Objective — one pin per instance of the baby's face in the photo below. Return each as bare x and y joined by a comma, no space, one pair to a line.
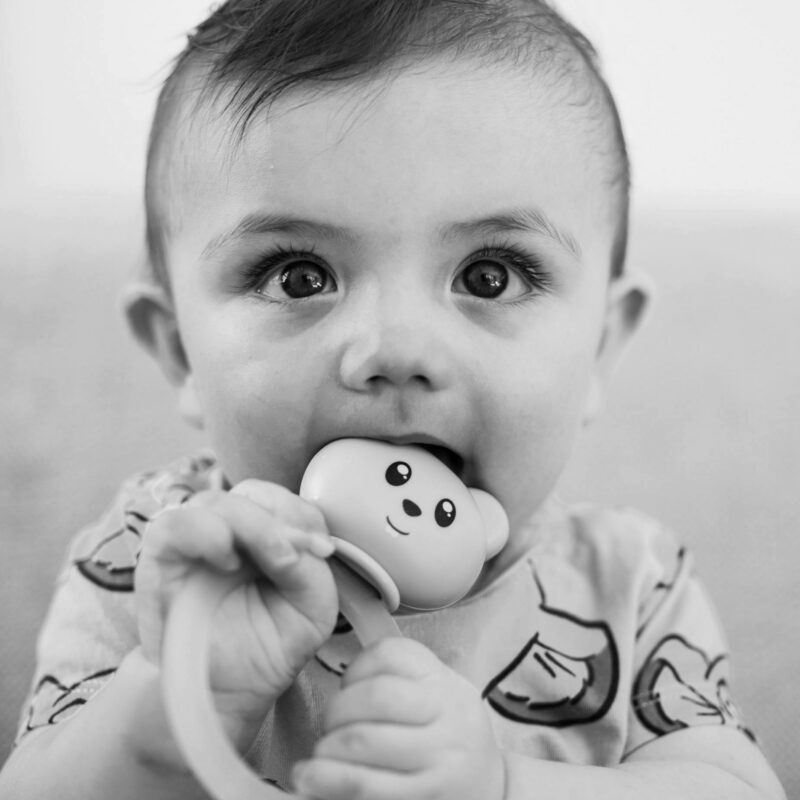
428,265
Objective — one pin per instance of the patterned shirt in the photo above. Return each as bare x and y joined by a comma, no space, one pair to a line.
595,642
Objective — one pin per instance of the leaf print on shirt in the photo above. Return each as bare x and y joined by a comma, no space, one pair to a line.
566,674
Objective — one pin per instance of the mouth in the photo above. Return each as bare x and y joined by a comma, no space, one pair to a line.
395,528
452,460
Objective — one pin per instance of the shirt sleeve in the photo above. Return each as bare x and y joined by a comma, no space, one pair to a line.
681,673
91,624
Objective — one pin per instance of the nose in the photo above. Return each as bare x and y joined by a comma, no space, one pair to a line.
411,508
401,342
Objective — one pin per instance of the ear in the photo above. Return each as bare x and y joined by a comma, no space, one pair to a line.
629,298
494,519
151,316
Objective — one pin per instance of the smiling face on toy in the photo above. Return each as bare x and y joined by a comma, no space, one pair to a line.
404,521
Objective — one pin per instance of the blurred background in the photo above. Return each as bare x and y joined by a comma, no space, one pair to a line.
701,428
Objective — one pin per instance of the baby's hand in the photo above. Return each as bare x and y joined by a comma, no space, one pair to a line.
265,630
404,726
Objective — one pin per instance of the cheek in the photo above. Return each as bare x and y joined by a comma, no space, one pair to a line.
544,377
257,406
538,416
547,409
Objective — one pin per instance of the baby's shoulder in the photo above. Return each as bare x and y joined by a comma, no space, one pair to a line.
112,542
622,528
172,484
614,547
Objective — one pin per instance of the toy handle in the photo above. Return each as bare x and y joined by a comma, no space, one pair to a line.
185,663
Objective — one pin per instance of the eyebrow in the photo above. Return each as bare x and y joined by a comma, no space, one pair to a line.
276,223
523,220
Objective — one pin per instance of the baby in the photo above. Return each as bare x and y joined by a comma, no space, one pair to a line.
401,220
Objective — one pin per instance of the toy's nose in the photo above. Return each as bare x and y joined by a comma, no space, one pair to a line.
411,508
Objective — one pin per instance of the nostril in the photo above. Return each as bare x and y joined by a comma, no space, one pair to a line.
411,508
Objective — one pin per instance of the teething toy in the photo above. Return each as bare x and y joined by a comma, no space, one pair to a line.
403,521
409,536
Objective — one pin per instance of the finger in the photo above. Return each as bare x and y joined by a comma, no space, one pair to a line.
394,656
274,498
189,533
385,698
269,537
340,780
291,558
297,512
401,748
175,541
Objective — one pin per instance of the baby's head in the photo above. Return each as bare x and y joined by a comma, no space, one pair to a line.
251,52
393,219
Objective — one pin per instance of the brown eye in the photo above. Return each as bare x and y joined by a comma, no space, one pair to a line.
445,513
503,275
485,279
284,276
398,473
303,279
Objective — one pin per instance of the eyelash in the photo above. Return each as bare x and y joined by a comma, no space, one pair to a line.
528,268
253,276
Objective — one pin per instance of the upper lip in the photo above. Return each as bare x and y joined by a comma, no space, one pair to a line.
450,456
415,438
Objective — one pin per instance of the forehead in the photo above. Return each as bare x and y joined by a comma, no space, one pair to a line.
400,156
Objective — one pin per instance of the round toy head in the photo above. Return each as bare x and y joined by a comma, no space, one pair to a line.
404,521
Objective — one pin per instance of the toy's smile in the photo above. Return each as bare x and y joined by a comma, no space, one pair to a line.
395,528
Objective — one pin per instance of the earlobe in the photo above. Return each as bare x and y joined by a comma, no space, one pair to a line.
629,298
189,403
151,317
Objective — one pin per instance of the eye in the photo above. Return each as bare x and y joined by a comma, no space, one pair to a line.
398,473
297,280
445,513
485,279
286,274
506,274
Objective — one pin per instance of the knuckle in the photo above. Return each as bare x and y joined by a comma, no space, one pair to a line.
353,740
404,656
190,531
160,530
207,498
265,494
247,485
375,696
387,651
350,786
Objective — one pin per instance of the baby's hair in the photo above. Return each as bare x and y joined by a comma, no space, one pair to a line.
252,52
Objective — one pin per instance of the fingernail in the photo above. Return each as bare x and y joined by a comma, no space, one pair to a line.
321,545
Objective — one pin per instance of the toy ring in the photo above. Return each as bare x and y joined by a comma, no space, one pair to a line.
186,691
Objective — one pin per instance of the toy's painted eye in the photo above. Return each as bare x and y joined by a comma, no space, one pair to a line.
445,513
398,473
